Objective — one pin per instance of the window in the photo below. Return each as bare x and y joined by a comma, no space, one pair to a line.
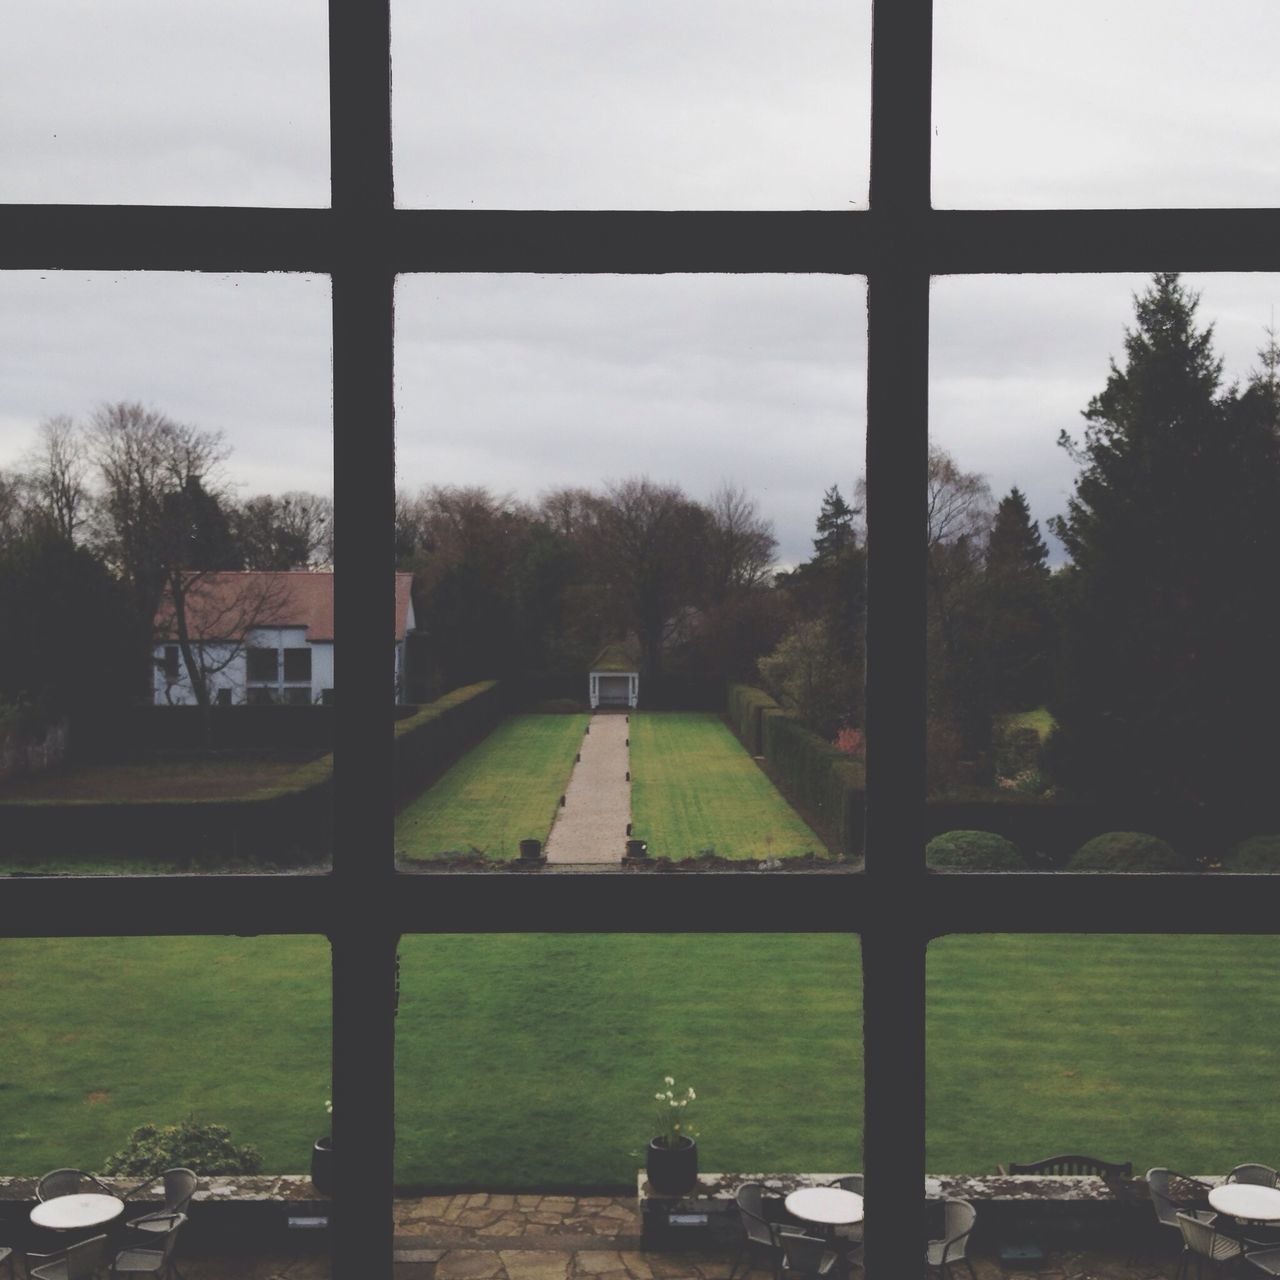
223,697
297,697
262,665
171,656
297,665
362,905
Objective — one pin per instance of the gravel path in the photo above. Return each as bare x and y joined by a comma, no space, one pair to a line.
592,825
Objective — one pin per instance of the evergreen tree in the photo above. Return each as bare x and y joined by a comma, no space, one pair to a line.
1019,630
836,535
1171,622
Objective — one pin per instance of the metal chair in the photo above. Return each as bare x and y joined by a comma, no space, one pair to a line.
1266,1261
804,1255
6,1255
153,1260
760,1236
76,1262
958,1219
1171,1194
853,1233
1059,1166
69,1182
1204,1242
179,1186
1255,1175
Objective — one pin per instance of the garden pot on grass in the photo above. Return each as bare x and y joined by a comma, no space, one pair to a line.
322,1175
673,1171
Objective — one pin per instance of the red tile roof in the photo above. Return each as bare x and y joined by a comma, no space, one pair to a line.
228,602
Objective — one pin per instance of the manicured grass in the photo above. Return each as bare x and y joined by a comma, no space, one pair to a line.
159,779
1158,1050
533,1059
1038,719
504,791
524,1060
694,787
104,1034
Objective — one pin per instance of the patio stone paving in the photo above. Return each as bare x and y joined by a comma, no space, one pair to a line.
496,1237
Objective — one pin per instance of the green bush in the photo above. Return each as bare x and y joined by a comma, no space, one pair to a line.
1127,851
1257,853
204,1148
973,851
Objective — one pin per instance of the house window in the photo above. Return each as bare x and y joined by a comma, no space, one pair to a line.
297,697
262,665
260,696
895,907
223,697
297,665
171,658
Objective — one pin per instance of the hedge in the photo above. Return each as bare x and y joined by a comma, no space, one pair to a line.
745,708
289,823
1127,851
428,742
973,851
819,779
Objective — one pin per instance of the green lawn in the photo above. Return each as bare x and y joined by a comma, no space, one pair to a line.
528,1059
503,791
694,787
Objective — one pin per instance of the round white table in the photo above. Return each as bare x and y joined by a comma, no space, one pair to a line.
1246,1201
827,1206
74,1213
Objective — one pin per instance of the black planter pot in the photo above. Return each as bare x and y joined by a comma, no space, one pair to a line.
322,1175
673,1171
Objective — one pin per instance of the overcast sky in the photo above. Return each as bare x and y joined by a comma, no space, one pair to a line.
524,383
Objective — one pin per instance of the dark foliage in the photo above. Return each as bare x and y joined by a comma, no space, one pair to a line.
1127,851
206,1149
973,851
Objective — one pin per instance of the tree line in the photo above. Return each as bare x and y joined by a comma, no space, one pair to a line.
1153,646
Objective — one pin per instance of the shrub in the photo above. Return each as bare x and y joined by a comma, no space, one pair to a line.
973,851
1257,853
1017,751
1127,851
204,1148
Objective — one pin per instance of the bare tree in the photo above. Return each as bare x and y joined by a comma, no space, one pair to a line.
291,530
144,458
742,545
649,543
57,472
13,506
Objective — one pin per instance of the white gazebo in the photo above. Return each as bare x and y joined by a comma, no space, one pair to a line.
615,682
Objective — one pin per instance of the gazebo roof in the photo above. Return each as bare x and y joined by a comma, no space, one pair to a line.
613,657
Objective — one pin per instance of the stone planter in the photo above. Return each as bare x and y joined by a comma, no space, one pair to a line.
322,1172
672,1171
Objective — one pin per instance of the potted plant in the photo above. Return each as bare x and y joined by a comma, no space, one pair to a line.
671,1161
322,1160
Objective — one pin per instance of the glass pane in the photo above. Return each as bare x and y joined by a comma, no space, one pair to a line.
166,532
138,103
592,1046
1097,105
564,105
1106,487
101,1077
1093,1046
632,503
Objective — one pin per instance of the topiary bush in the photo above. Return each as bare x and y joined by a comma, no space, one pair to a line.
1127,851
1257,853
973,851
203,1148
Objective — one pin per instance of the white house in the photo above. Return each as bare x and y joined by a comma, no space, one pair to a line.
262,637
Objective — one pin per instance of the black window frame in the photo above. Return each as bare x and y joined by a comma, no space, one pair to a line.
256,655
362,242
301,657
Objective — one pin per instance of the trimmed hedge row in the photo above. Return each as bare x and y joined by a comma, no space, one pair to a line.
144,730
280,825
289,823
429,741
746,706
820,779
